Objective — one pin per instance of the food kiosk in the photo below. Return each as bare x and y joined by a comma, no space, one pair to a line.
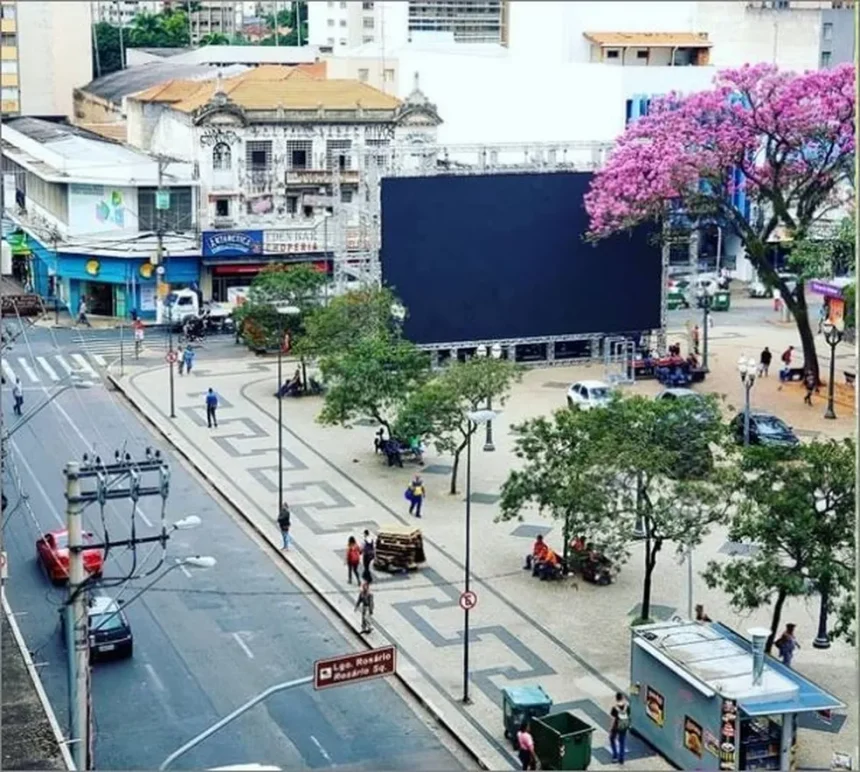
705,697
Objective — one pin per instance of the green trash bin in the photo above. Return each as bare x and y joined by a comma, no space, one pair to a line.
522,703
721,301
562,741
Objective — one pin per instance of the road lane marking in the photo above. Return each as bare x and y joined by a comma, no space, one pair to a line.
154,676
48,369
85,366
64,364
99,360
38,485
321,749
139,513
8,372
31,373
243,645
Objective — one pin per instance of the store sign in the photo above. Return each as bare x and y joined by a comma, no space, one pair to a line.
232,243
162,199
294,241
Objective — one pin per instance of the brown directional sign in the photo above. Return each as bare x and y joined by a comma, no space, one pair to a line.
351,668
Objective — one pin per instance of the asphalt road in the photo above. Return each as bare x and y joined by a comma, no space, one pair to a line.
205,640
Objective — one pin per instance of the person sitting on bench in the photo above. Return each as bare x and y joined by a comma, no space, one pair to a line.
539,550
549,566
291,387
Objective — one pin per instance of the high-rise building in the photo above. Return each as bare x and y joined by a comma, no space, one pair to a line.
214,17
46,53
392,23
122,12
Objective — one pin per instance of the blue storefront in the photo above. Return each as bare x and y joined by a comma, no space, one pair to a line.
112,285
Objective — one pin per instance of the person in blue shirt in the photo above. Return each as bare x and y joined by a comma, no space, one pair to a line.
211,407
187,359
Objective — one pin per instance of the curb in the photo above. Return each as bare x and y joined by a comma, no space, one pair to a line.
426,704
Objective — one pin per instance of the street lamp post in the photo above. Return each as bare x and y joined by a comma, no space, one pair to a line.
822,639
833,332
476,418
747,370
496,352
283,311
706,298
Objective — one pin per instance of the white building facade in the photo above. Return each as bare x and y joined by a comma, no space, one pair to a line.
122,12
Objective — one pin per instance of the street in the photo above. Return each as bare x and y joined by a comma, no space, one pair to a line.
205,641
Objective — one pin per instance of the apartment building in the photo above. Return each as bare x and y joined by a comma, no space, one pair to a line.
46,52
214,17
392,23
122,12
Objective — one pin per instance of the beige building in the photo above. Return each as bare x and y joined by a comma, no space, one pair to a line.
46,53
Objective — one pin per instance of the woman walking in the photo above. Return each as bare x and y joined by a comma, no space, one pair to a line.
353,559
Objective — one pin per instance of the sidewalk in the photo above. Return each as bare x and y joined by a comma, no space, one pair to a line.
574,641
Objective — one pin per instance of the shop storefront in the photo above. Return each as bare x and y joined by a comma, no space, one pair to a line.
833,299
232,259
707,698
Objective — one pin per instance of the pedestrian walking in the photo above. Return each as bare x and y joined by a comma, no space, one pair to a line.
82,313
701,616
353,560
620,714
526,747
415,494
787,644
180,358
18,396
695,337
764,361
188,359
284,525
823,313
368,553
211,407
365,605
811,385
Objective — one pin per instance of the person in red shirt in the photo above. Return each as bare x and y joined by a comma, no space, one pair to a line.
353,559
526,746
539,550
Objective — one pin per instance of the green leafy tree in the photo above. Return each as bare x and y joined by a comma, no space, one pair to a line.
558,478
371,379
299,286
799,518
821,258
214,39
107,55
438,409
339,324
168,29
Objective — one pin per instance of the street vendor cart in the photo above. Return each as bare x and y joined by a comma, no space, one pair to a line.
708,698
399,548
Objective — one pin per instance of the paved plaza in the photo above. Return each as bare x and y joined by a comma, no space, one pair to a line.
571,638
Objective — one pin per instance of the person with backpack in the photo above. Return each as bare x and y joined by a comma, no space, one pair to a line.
787,644
526,747
620,714
353,559
365,603
415,494
785,370
368,553
284,525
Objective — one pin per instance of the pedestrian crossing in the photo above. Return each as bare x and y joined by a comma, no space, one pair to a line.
51,368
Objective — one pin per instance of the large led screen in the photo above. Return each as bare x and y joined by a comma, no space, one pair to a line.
489,257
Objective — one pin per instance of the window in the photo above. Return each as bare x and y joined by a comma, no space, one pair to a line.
331,22
341,42
258,155
367,22
388,76
299,154
827,31
8,11
177,218
292,204
330,41
222,157
364,75
331,4
8,41
343,6
9,93
367,6
343,22
826,58
222,207
337,154
612,53
346,196
367,39
9,68
642,53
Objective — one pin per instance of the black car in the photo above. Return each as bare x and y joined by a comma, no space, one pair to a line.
110,632
765,429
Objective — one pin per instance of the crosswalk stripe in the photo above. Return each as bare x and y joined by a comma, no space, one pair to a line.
85,366
8,372
64,364
99,360
47,368
31,373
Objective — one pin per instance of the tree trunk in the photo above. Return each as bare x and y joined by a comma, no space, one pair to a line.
651,551
775,619
456,467
807,336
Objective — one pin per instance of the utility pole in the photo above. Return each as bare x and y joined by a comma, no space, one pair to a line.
160,271
77,624
108,477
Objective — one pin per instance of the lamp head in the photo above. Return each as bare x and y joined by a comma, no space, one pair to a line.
496,351
482,416
192,521
199,561
481,351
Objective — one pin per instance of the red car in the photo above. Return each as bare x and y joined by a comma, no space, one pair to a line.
52,551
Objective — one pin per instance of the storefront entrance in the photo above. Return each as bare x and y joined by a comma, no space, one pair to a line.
100,297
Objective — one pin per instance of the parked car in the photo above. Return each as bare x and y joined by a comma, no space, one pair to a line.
589,394
52,551
109,630
671,395
757,289
765,429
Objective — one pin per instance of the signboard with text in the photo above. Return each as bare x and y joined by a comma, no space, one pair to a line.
352,668
232,243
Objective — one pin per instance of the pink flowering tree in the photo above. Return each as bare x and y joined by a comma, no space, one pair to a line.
790,136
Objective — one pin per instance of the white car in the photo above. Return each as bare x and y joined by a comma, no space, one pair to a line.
589,394
757,289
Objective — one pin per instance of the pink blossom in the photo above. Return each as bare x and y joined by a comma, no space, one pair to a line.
791,135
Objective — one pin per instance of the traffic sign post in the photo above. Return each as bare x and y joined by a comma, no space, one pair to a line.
352,668
468,600
171,357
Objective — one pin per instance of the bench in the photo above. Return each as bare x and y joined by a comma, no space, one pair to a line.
396,452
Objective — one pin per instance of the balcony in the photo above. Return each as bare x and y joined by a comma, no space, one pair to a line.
320,176
220,222
259,180
8,26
